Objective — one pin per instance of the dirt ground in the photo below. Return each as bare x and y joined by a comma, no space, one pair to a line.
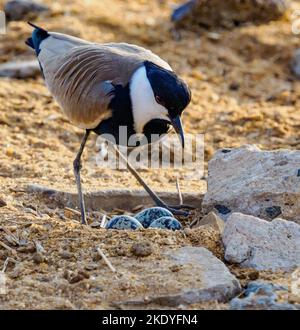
243,93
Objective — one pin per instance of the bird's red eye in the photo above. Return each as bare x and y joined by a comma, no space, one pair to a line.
158,100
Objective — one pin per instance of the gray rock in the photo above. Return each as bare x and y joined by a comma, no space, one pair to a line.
209,278
21,70
261,296
18,10
256,243
265,184
211,220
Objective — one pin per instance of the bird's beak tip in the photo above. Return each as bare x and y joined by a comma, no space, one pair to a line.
176,123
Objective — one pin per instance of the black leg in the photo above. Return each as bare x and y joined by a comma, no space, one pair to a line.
77,167
175,209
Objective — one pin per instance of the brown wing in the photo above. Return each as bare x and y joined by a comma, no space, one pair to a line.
81,75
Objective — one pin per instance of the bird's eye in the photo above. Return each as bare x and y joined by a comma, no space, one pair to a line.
158,100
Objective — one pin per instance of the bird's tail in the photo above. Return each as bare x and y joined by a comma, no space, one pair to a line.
38,35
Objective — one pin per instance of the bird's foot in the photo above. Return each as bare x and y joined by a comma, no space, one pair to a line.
180,209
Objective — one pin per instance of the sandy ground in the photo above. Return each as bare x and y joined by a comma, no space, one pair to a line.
243,92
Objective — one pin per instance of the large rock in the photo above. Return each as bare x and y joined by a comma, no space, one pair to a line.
208,278
183,276
265,184
20,69
263,245
17,10
229,13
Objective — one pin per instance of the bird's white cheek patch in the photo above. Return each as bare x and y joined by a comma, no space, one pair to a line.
144,106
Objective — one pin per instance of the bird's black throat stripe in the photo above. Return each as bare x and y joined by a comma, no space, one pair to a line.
122,115
121,108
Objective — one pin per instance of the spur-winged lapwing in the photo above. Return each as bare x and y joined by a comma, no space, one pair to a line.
101,87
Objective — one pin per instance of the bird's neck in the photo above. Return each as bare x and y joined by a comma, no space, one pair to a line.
144,106
121,121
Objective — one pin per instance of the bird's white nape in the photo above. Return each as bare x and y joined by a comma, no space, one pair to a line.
144,105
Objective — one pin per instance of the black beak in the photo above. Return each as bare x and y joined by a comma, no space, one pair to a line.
176,123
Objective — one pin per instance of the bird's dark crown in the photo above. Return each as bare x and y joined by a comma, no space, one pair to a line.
169,90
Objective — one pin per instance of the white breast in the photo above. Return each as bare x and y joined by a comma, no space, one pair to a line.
144,106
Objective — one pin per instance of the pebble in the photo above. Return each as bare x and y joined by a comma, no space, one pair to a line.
38,258
123,222
166,223
147,216
2,203
142,249
66,255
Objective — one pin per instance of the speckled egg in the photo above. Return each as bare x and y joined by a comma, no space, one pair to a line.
166,223
147,216
123,222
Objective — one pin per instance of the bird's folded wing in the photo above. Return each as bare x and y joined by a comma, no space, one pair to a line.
81,75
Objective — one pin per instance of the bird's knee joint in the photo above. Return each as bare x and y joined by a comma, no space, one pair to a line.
77,165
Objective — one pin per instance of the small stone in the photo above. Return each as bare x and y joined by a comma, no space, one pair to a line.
142,249
212,220
95,224
234,86
83,273
175,268
147,216
30,248
18,10
166,223
66,255
90,267
213,35
183,11
123,222
188,231
96,256
76,278
9,151
38,258
2,203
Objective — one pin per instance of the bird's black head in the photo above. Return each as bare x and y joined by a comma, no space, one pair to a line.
169,91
